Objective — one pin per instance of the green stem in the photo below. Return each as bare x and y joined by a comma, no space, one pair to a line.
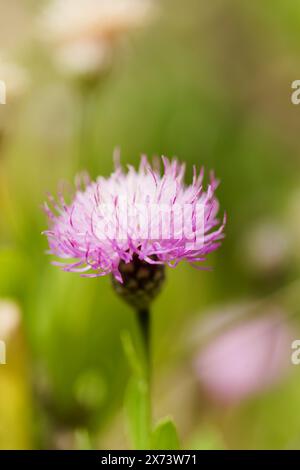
144,320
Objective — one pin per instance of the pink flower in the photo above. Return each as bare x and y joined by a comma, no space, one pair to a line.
142,214
245,359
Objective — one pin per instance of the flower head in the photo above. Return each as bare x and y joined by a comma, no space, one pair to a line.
143,215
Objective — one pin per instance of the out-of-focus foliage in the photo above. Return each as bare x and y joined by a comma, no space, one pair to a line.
209,82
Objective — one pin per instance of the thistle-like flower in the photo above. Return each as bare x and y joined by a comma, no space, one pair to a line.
84,32
133,223
130,226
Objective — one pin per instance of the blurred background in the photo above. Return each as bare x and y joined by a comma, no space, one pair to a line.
210,83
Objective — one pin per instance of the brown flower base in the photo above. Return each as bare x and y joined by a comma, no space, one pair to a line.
142,282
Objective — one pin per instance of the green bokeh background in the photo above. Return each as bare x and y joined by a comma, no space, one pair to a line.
210,83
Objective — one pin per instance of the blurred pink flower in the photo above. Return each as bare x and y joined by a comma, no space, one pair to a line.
245,359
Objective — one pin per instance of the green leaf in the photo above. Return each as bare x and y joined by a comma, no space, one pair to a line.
164,436
137,400
206,438
83,440
138,413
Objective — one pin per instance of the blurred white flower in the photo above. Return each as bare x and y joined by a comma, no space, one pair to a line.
69,20
83,58
245,358
15,79
84,32
267,248
9,319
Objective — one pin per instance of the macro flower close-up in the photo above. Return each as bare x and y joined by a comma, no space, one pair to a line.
143,213
149,231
